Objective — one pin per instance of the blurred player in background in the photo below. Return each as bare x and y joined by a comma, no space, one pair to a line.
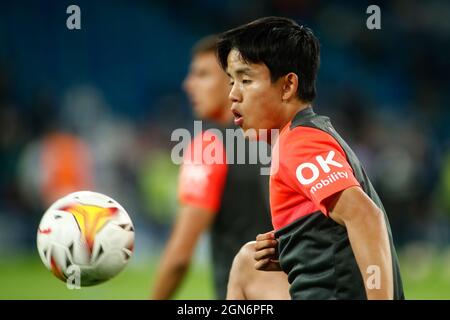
228,199
332,232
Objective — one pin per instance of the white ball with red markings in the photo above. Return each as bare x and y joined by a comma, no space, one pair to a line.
85,238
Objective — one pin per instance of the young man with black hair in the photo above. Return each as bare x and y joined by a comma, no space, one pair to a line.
331,230
228,199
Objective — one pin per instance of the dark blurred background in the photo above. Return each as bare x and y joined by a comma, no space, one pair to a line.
94,109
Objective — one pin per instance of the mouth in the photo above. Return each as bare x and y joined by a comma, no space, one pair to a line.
238,119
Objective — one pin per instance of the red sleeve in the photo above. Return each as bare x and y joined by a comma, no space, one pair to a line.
318,165
203,173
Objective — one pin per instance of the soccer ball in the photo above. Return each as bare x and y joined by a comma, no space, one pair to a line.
85,237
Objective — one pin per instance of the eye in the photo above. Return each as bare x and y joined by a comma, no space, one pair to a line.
231,82
246,81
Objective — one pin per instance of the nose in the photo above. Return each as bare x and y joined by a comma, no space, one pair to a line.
235,94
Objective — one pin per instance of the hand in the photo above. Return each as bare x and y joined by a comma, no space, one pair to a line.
266,255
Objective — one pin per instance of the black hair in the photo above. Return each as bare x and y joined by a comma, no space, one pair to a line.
281,44
205,45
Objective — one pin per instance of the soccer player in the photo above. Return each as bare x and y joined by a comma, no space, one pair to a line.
331,230
229,199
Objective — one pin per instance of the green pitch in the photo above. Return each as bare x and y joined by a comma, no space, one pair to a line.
27,278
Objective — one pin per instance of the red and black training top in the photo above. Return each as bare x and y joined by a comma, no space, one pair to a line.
313,163
235,193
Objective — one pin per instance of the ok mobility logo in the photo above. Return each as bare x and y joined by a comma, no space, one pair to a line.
308,172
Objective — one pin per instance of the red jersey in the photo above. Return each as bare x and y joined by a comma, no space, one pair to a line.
235,193
311,167
202,182
313,163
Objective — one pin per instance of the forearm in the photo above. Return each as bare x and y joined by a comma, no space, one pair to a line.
170,274
190,224
370,243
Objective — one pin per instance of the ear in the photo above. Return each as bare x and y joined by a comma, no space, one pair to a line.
290,86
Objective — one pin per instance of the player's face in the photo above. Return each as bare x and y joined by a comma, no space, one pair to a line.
207,86
256,101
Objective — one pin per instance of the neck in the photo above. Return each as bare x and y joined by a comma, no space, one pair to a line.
292,109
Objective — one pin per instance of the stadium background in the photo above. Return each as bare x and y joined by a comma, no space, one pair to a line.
94,109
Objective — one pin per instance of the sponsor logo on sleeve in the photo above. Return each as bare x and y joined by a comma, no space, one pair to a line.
308,173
